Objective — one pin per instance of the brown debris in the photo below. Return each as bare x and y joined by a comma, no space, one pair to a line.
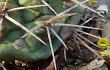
94,32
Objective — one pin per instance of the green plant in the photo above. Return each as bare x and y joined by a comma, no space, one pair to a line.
41,26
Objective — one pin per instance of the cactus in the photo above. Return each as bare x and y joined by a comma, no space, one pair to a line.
34,45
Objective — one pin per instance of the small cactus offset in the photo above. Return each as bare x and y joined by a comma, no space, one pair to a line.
32,30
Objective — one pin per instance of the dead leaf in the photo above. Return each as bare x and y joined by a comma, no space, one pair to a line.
90,66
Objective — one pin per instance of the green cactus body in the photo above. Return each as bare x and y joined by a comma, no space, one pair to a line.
8,52
33,49
29,15
7,23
